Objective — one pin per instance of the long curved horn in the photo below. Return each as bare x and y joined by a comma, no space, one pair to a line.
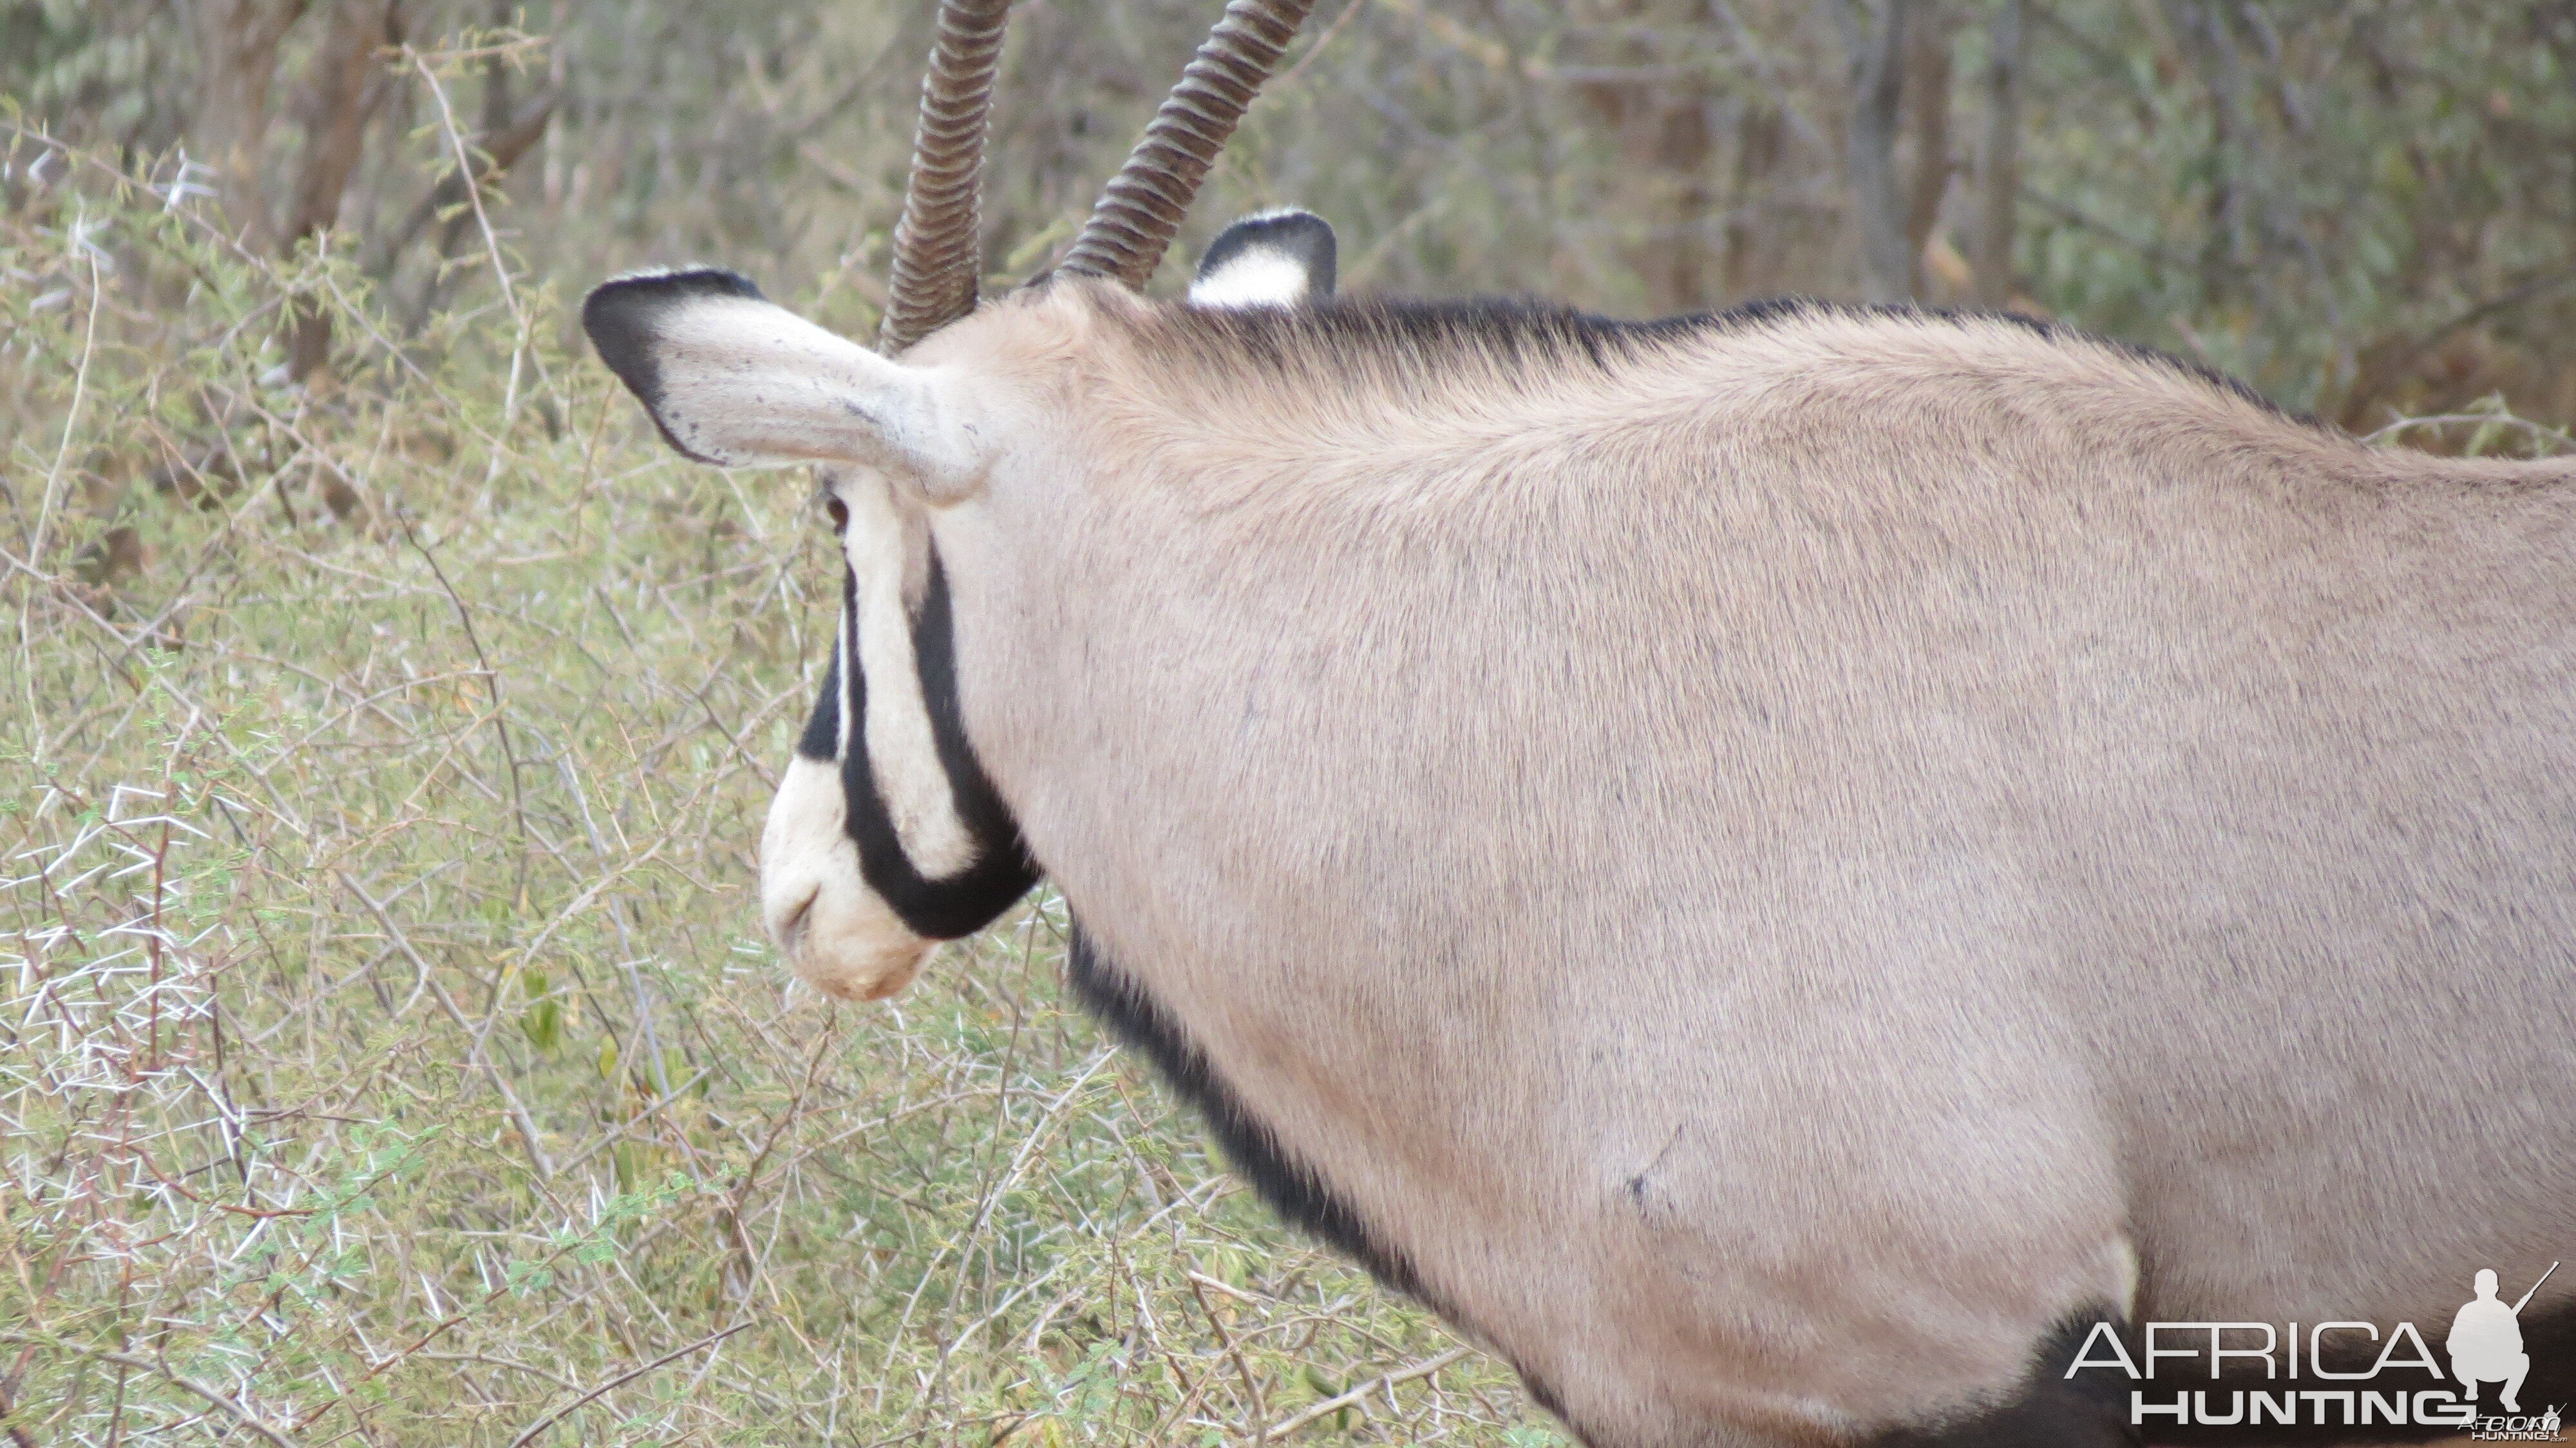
1145,202
936,243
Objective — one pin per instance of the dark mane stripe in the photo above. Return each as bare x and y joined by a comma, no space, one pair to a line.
1520,334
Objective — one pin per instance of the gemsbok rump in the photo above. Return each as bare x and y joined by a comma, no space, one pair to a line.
1805,876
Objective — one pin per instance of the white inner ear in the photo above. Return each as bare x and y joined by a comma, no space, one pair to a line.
747,384
896,732
1261,277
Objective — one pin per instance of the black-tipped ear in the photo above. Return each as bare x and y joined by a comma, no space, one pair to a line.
623,316
1275,259
734,381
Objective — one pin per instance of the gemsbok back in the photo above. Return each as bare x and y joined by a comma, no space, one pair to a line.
1805,876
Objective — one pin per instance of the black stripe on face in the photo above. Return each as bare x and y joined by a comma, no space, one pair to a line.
966,902
822,738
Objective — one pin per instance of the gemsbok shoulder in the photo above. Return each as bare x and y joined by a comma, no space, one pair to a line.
1805,876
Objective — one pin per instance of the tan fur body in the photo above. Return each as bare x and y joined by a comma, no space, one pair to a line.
1772,864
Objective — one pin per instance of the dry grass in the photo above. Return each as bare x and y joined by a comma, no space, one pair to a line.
387,1051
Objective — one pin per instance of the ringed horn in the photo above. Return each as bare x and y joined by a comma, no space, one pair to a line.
1145,202
936,243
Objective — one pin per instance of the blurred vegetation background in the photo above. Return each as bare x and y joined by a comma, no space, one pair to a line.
387,1050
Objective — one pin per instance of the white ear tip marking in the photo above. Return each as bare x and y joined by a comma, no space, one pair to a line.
1254,278
1270,259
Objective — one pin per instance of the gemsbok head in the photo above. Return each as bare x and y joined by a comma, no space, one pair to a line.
1807,875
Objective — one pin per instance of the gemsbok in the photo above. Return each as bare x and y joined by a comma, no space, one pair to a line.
1805,876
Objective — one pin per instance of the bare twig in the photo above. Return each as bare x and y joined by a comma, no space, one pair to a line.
159,1369
71,415
491,247
473,1042
1312,1411
491,687
621,1380
2489,419
1251,1387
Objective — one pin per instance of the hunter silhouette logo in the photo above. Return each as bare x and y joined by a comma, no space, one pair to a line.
2486,1340
2335,1374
